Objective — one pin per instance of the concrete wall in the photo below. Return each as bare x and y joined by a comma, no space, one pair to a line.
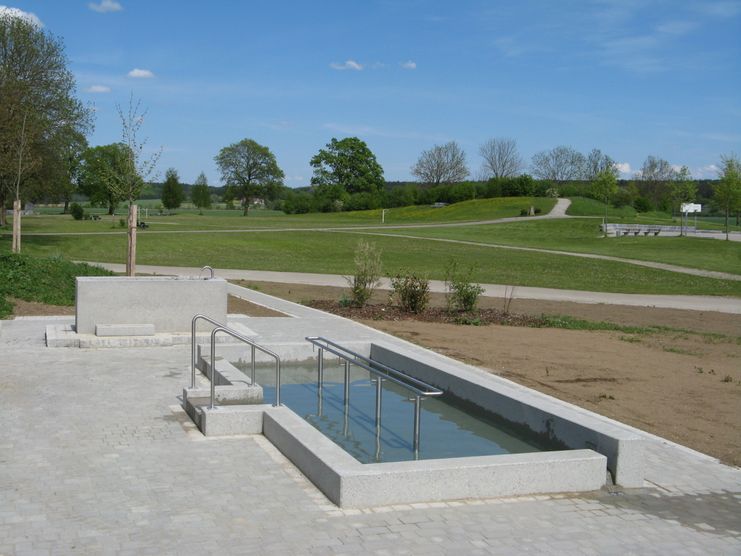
351,484
624,451
168,303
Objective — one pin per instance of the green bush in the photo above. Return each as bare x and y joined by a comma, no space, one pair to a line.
76,210
411,292
462,294
641,204
367,273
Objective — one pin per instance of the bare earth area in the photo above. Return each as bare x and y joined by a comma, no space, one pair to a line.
682,384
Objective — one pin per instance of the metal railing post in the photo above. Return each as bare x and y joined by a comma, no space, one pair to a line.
252,374
320,369
347,382
193,352
379,391
213,365
320,382
277,382
417,415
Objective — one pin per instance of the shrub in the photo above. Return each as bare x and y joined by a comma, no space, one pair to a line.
121,222
46,280
641,204
461,293
76,210
367,273
411,292
524,212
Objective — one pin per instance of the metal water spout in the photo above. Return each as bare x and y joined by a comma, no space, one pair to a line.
211,270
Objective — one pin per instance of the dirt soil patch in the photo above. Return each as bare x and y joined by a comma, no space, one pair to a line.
244,307
682,385
34,309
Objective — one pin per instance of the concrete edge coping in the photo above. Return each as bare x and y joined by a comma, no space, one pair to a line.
350,484
544,414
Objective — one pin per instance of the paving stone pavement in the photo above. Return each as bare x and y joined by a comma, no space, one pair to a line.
96,457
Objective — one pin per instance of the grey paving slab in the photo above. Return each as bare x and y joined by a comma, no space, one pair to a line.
96,457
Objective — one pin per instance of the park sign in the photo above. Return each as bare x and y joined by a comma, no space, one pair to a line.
691,207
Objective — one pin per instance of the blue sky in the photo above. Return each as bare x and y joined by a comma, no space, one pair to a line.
630,77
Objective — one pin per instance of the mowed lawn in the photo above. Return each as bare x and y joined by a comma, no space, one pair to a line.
332,252
583,235
483,209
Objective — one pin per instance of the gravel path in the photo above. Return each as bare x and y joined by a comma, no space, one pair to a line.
689,302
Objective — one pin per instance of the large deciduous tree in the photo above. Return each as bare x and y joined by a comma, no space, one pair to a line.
347,164
441,164
727,191
200,195
655,178
38,109
100,174
501,158
597,162
559,164
250,170
172,190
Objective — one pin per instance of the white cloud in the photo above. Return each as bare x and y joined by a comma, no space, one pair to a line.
98,89
140,73
710,171
105,6
15,12
348,65
409,65
624,167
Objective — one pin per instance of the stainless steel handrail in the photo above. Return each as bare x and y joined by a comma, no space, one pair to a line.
249,342
419,388
222,328
406,381
193,344
209,269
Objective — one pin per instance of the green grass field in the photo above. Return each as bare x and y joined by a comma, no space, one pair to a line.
484,209
298,248
332,252
583,235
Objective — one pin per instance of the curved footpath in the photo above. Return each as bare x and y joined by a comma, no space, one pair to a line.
687,302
